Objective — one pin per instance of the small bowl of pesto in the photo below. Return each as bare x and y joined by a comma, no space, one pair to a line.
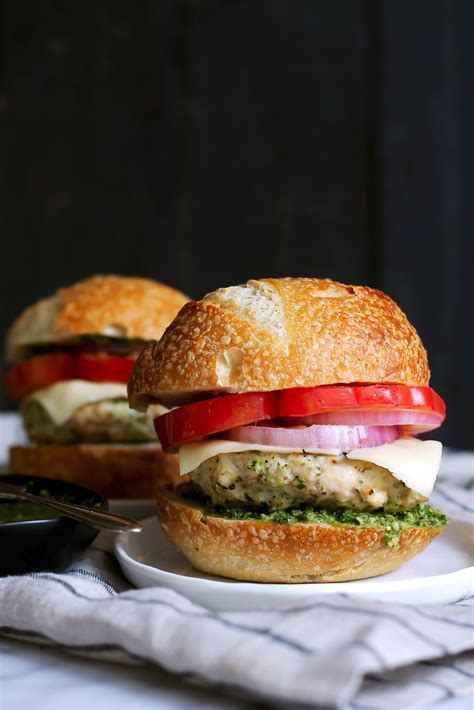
34,538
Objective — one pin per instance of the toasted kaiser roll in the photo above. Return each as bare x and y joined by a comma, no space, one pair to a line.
114,306
114,470
273,334
292,553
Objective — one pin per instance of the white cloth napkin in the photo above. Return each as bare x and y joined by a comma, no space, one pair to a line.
336,652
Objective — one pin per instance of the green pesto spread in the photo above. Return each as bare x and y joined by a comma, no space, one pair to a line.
94,341
14,511
392,524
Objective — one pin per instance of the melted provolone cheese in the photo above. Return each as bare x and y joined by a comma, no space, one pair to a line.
62,399
193,454
412,461
156,410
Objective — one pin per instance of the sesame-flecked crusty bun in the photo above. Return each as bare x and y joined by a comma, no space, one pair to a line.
114,470
292,553
116,306
272,334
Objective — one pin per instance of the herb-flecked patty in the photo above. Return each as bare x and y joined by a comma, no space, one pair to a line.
104,421
273,481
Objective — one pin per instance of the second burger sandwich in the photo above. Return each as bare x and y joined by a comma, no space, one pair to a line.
71,355
297,404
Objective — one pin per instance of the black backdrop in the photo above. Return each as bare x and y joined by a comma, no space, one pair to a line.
206,142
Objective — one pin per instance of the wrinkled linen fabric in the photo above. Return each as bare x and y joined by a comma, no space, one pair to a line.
338,651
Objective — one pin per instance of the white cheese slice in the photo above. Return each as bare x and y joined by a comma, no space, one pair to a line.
413,461
156,410
62,399
410,460
193,454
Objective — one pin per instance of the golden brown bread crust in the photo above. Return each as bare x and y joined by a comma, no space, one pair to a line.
116,471
294,553
278,333
120,306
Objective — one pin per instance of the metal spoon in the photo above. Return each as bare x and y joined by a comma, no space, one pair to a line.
96,518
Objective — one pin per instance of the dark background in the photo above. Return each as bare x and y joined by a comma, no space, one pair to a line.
203,143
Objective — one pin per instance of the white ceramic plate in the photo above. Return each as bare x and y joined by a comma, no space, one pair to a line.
442,574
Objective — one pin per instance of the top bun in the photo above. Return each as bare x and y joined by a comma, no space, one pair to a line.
115,306
272,334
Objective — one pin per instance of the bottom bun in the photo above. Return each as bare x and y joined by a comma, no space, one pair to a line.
291,553
114,470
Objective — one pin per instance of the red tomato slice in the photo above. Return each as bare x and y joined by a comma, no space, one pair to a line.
103,368
210,416
305,401
38,371
43,370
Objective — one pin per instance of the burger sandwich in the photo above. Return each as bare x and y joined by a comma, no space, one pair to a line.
296,408
70,356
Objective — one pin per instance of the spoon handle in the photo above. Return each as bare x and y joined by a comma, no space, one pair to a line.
96,518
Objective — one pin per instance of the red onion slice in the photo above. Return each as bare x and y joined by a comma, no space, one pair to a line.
315,436
411,421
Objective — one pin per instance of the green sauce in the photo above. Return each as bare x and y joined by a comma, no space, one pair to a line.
12,511
84,342
392,524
